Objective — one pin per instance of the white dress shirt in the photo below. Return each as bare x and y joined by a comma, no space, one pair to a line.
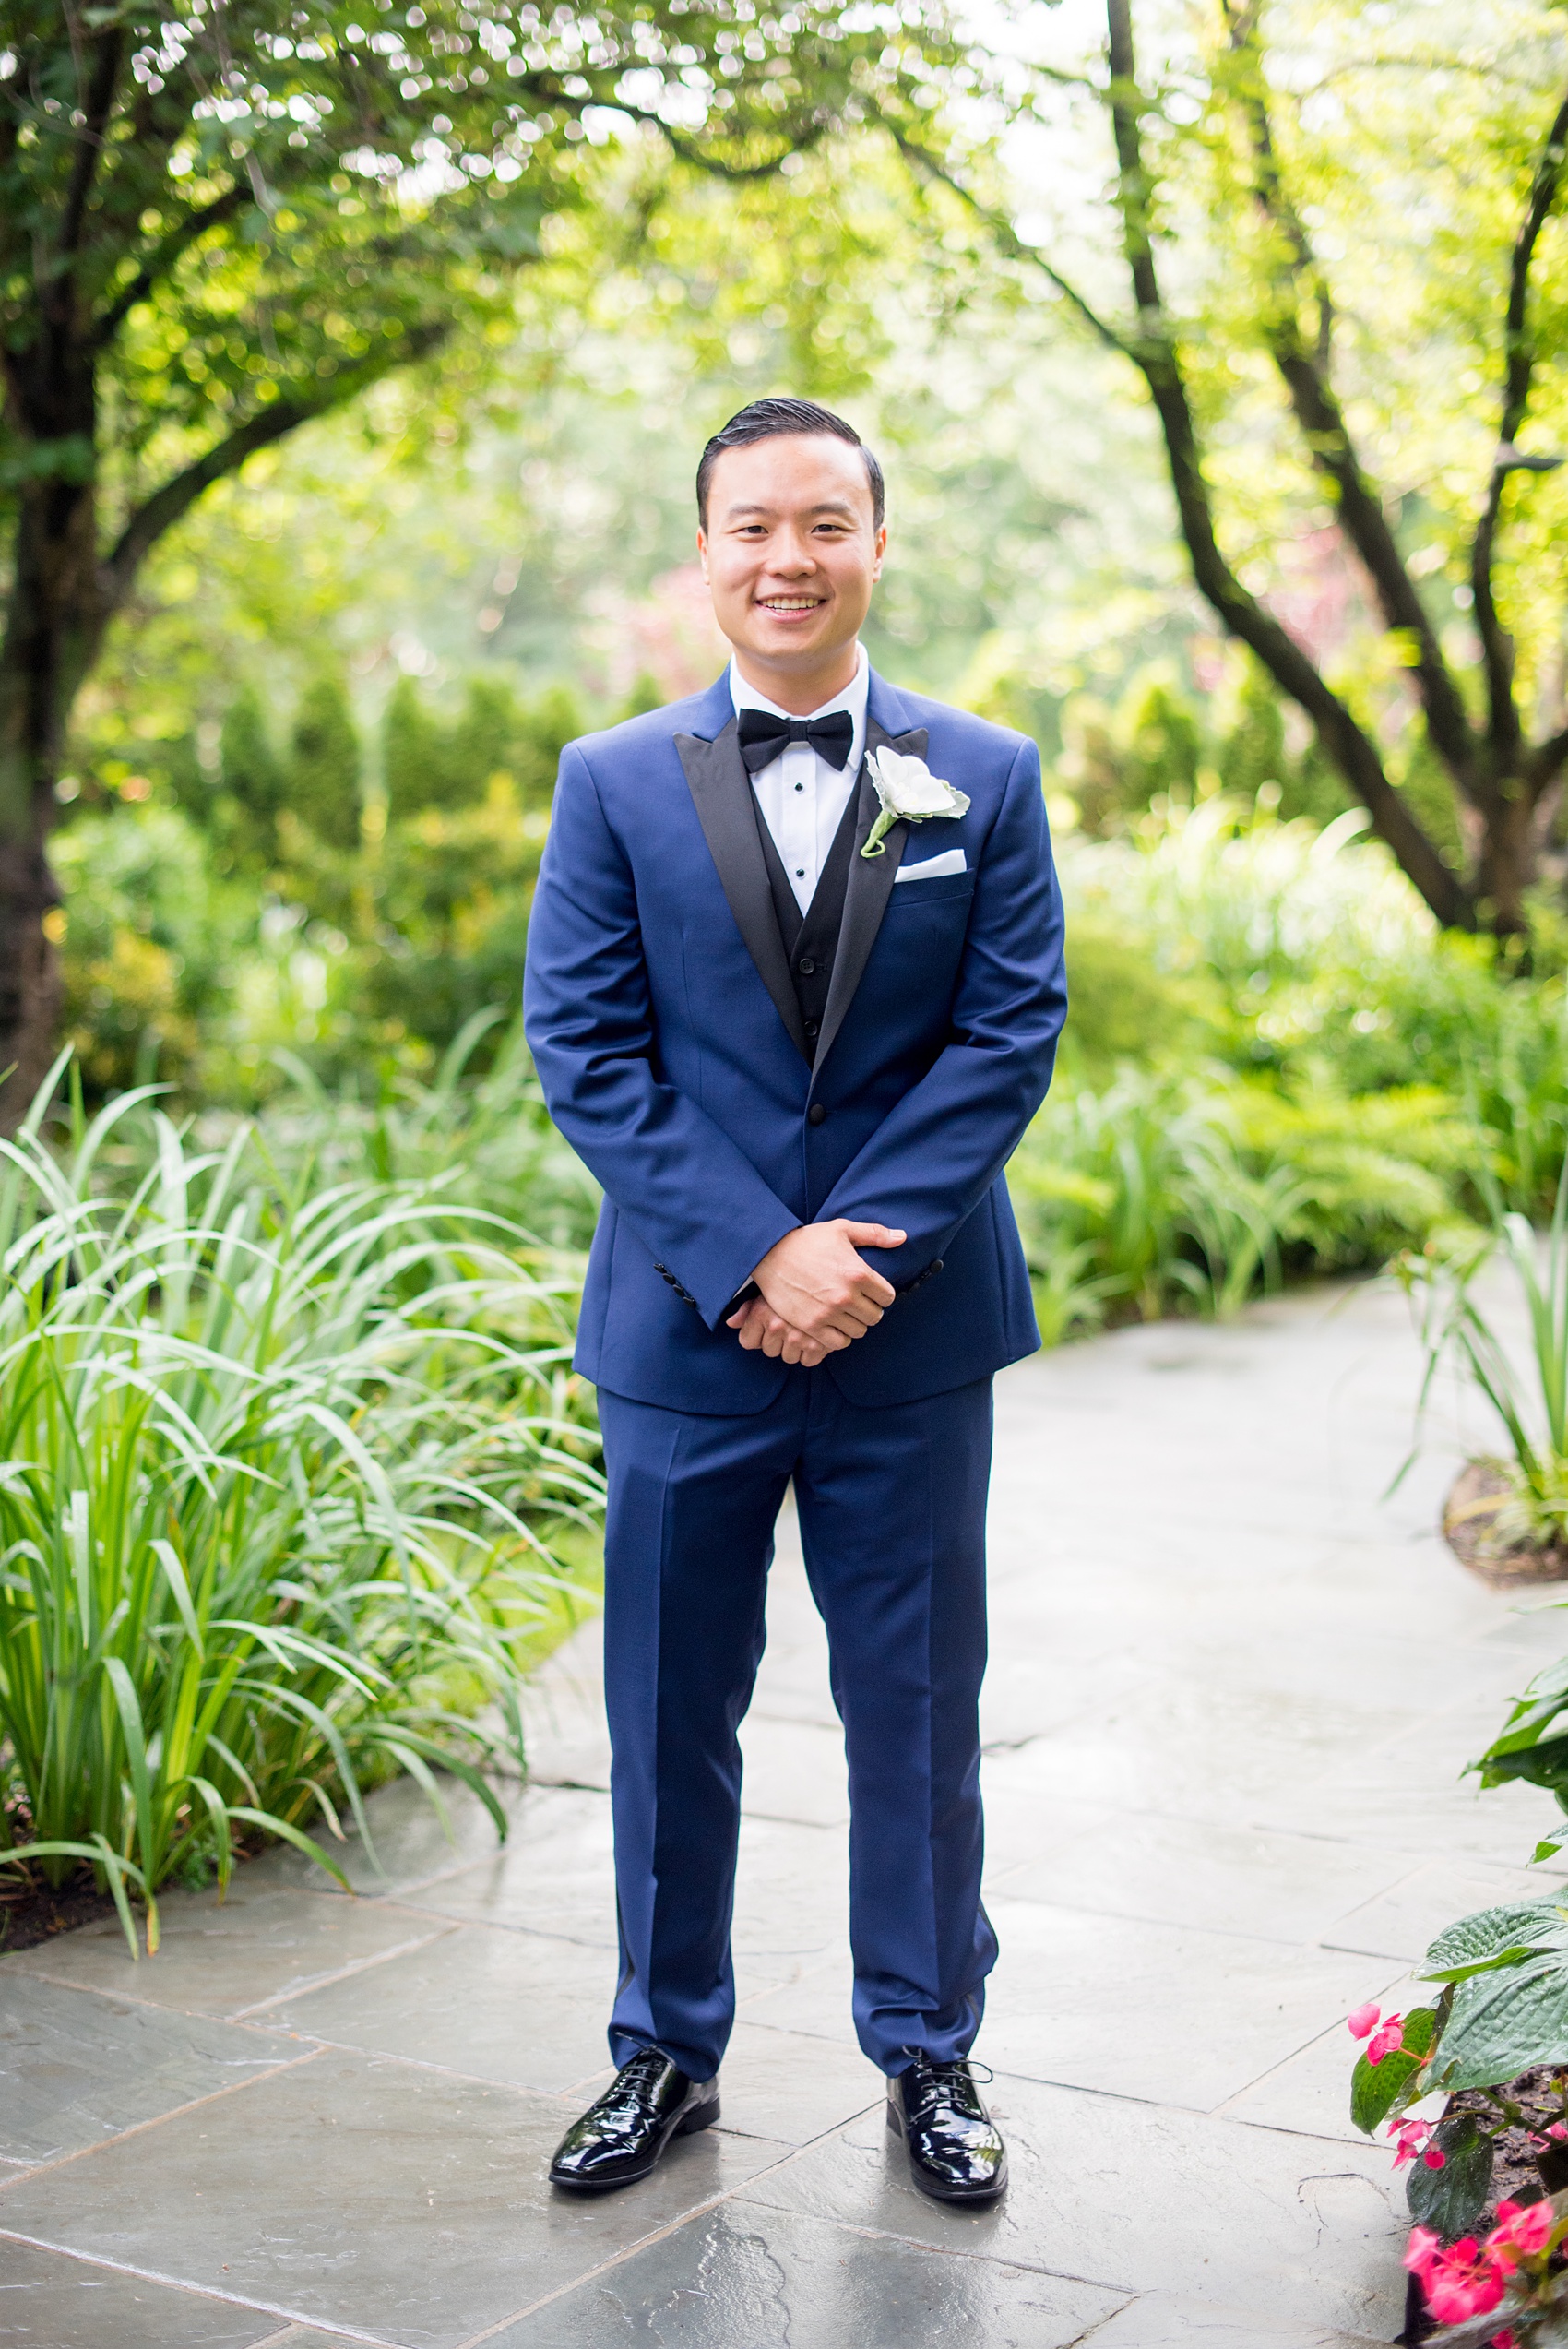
803,798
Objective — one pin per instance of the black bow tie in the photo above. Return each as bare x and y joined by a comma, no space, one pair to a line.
763,736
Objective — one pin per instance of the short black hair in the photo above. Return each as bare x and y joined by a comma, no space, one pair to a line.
765,418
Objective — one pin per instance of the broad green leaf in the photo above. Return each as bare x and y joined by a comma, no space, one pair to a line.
1451,2199
1491,1936
1539,1761
1503,2022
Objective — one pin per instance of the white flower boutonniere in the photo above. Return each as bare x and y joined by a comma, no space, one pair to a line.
906,788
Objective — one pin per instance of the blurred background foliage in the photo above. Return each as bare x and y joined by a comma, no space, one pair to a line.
311,784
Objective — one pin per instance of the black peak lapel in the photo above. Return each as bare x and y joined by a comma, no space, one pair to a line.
721,792
871,884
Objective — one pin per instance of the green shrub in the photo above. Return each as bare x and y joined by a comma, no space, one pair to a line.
324,768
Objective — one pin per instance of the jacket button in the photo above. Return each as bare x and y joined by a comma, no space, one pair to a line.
805,966
815,1114
936,1265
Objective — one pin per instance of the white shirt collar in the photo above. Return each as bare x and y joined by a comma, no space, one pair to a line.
852,699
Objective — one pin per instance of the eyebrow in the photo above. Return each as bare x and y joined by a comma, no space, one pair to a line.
827,506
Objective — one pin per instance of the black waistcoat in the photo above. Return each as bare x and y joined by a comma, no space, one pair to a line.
810,940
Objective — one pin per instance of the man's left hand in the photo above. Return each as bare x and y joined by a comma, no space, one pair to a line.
763,1330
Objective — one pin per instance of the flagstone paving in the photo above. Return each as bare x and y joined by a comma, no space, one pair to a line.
1232,1689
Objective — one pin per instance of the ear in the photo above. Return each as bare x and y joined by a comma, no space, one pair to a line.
702,552
879,551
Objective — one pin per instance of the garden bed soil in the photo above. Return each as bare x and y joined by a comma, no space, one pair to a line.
1515,2177
31,1911
1471,1535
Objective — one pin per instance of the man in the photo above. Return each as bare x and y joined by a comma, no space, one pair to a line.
796,1033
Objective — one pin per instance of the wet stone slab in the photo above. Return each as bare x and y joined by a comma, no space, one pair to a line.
232,1957
1136,2198
1077,1996
75,2069
744,2278
373,2195
512,2007
48,2301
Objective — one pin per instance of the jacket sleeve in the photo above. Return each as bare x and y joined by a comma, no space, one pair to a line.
694,1198
937,1153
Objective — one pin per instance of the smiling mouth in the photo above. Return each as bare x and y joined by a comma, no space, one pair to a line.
790,604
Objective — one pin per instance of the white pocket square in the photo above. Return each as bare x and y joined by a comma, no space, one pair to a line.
932,868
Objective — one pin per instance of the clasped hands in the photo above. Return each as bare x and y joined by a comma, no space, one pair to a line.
817,1295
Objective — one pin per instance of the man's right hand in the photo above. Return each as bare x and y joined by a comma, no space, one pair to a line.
816,1285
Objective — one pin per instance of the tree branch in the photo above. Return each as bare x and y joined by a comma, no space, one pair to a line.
1545,763
1002,232
282,416
90,135
1518,367
1305,373
164,253
691,152
1155,353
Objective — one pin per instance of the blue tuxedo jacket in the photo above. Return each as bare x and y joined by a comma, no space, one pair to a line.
667,1038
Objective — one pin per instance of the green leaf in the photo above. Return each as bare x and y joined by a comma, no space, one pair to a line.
294,1835
114,1867
1495,1937
1376,2088
129,1707
1503,2022
1451,2201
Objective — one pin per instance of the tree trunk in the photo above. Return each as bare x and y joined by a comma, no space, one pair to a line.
1504,842
59,608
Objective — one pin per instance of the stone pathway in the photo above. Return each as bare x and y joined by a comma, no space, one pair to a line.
1231,1692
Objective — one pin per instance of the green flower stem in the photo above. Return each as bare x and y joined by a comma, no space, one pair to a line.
886,820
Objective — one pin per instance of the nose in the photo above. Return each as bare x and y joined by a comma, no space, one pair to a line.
791,554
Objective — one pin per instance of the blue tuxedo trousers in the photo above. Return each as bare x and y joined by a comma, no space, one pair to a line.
892,1511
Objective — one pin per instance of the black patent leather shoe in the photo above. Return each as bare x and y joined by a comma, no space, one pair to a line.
956,2154
621,2136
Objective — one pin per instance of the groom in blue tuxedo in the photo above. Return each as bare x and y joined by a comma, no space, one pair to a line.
795,985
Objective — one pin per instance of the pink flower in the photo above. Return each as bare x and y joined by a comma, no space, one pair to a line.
1386,2040
1421,2250
1505,2340
1363,2023
1465,2281
1411,2138
1522,2231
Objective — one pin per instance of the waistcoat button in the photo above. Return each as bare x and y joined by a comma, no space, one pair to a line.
806,966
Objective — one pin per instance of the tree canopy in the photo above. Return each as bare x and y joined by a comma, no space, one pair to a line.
220,218
1344,279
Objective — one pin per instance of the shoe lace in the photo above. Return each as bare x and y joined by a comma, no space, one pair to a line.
622,2100
932,2082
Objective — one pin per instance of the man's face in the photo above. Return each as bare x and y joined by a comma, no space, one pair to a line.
791,551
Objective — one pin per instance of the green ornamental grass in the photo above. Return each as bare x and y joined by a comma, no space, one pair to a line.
279,1470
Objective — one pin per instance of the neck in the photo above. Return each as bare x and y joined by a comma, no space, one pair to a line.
800,691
